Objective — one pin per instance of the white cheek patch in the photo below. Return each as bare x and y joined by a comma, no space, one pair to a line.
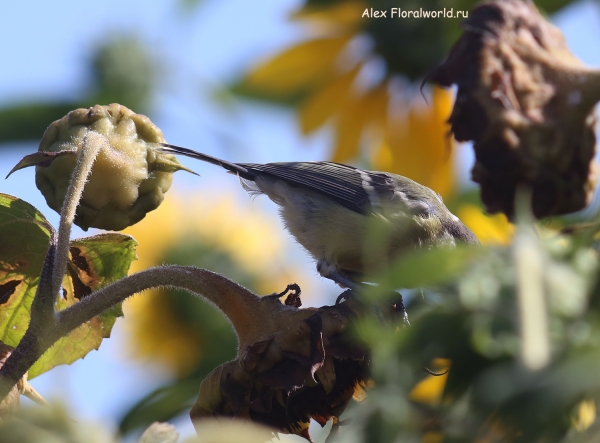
414,206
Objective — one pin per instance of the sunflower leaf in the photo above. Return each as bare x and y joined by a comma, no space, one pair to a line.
94,263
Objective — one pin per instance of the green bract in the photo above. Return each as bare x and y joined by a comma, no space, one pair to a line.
128,179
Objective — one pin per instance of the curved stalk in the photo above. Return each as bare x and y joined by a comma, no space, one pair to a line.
242,307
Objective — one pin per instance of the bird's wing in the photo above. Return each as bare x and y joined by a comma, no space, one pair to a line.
356,189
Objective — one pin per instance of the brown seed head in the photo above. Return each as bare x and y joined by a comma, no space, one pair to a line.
527,103
305,368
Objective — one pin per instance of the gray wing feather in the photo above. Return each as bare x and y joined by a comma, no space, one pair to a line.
351,187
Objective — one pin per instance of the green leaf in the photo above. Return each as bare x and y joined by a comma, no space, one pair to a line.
24,239
28,121
427,268
94,263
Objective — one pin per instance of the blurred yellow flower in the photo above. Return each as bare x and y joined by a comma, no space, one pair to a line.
489,229
584,415
432,437
334,81
154,333
418,145
253,241
429,391
235,225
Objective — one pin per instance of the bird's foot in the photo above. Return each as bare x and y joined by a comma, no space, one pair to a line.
346,295
343,281
330,271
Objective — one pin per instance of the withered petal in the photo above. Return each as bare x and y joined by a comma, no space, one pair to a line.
288,375
254,353
339,347
261,399
326,375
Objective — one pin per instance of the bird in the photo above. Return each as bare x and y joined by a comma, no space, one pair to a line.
352,221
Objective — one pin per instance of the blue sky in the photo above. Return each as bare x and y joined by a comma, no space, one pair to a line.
43,52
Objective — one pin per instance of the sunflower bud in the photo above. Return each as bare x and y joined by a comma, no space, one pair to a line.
527,103
129,177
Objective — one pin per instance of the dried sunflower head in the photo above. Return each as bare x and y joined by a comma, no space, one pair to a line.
527,104
306,368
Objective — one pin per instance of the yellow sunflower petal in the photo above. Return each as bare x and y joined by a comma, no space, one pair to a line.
355,117
348,130
326,101
419,144
382,158
489,229
254,245
298,67
429,391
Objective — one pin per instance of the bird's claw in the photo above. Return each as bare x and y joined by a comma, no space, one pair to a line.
346,295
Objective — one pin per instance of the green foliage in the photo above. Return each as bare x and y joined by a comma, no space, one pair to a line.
415,270
53,424
94,263
503,385
499,388
28,121
124,72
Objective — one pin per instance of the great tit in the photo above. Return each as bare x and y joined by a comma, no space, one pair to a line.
350,220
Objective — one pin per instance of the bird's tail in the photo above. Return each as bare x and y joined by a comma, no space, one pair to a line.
231,167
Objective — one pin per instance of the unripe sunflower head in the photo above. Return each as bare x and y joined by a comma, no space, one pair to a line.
129,177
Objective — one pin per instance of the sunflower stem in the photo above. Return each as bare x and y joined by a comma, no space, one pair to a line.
43,329
91,145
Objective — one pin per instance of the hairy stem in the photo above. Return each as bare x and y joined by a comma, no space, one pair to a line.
240,306
91,145
236,302
20,360
43,329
